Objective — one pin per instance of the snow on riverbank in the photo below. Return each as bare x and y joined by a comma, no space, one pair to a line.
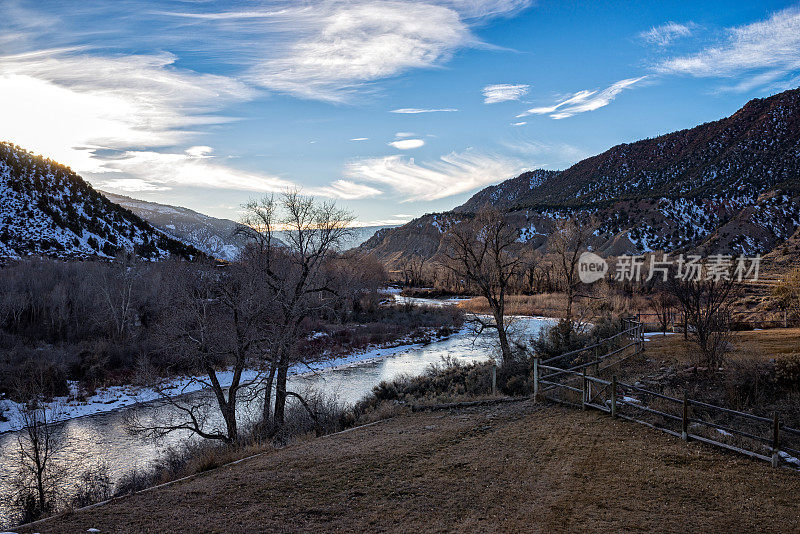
117,397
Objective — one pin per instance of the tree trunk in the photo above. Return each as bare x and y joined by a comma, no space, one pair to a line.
230,421
505,348
266,414
280,395
570,298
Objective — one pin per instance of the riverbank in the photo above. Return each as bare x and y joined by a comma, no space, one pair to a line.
510,467
113,398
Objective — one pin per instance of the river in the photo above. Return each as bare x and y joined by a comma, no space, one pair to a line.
103,439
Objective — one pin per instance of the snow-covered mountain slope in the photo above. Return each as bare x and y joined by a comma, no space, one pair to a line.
47,209
729,186
215,237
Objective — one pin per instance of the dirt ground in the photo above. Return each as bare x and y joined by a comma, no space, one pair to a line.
516,467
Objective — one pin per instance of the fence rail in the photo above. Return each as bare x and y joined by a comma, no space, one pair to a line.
759,437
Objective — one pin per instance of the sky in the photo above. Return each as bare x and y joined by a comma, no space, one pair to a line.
392,108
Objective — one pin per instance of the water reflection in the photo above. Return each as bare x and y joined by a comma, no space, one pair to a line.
102,439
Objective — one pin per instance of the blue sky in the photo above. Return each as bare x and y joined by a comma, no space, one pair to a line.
391,108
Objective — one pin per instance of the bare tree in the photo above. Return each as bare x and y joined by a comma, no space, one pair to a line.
479,251
213,324
115,287
786,294
295,274
663,304
414,270
568,241
707,303
38,483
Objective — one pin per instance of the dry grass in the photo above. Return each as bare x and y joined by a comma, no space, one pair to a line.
544,305
760,344
604,302
506,468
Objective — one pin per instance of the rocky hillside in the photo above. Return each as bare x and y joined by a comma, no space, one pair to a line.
732,186
47,209
507,193
215,237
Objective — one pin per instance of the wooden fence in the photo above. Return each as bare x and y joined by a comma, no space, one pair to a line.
581,385
676,321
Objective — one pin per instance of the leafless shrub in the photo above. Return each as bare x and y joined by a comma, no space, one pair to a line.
707,303
93,486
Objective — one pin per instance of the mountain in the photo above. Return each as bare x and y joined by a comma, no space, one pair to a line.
729,186
47,209
215,237
360,234
509,192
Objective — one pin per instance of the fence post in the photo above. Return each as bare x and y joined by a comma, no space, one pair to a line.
685,418
585,386
776,440
536,377
596,366
640,336
494,378
614,396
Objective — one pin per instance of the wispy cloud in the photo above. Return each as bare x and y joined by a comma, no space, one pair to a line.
121,112
763,52
666,33
503,92
145,171
451,174
334,49
360,139
134,119
407,144
414,111
107,103
344,45
583,101
346,190
133,185
148,170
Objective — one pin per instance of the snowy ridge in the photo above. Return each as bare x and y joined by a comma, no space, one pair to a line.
729,186
216,237
46,209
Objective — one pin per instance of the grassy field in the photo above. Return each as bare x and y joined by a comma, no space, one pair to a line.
512,467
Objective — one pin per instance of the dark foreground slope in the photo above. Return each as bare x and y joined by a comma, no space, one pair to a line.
518,467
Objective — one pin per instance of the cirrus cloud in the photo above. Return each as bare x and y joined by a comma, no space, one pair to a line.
583,101
335,48
416,111
451,174
503,92
666,33
763,52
